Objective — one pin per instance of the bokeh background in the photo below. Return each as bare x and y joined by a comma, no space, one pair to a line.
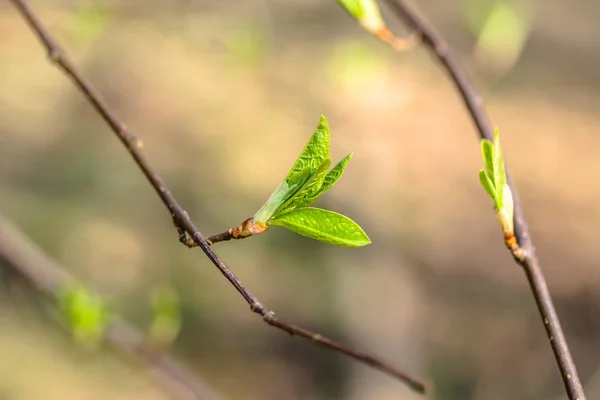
224,95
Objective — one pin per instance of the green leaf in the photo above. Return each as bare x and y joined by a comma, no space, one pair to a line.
167,316
90,21
499,171
85,312
315,151
487,184
334,175
353,7
366,12
306,194
283,194
323,225
487,152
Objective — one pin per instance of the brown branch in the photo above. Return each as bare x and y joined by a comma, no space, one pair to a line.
527,258
221,237
180,216
50,278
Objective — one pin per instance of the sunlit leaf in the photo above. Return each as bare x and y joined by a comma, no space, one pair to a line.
335,174
493,179
307,194
487,152
316,150
499,171
284,193
323,225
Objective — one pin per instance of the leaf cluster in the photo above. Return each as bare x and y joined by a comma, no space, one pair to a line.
307,180
493,180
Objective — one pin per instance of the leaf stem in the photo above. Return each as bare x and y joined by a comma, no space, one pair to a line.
220,237
523,250
180,217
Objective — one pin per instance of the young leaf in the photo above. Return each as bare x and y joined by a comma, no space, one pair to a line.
499,171
487,184
334,175
366,12
85,313
283,194
316,149
323,225
493,180
487,152
306,194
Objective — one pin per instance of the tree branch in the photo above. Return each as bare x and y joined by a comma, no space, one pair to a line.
47,276
180,216
527,259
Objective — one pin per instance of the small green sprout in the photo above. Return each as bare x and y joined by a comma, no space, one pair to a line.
493,180
308,179
86,313
366,12
368,15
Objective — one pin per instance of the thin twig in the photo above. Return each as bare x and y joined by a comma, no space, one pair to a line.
527,259
180,216
220,237
49,277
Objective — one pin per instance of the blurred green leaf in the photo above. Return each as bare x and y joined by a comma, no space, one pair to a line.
86,314
167,316
366,12
324,225
502,28
90,21
356,64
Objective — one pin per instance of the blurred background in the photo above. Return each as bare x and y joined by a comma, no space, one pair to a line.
225,95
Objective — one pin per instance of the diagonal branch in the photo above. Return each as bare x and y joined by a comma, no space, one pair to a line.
527,259
180,216
47,276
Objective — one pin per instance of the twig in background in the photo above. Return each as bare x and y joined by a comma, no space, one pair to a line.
180,216
49,277
524,252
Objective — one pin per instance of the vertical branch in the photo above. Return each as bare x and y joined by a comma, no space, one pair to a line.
180,216
47,276
528,260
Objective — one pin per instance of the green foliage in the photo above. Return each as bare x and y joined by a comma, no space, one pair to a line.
502,29
493,180
323,225
167,316
86,314
90,21
307,180
366,12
